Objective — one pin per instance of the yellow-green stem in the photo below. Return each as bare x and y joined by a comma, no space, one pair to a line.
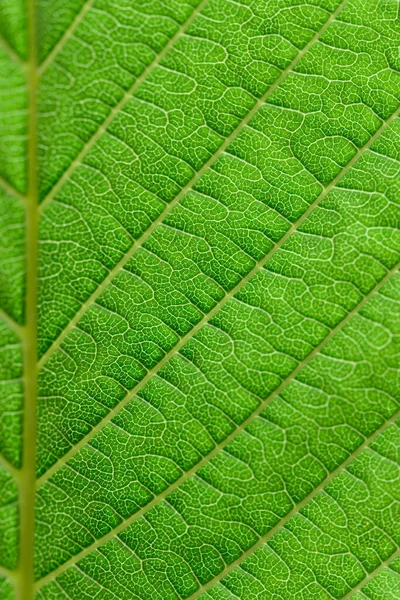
27,480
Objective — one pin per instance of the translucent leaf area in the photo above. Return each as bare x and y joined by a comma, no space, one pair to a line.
199,299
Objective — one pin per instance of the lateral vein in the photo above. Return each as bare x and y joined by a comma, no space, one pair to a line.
65,36
373,573
115,110
140,241
11,190
16,327
12,54
7,466
216,308
7,573
296,509
164,495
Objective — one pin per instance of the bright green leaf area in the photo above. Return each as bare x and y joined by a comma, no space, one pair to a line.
199,299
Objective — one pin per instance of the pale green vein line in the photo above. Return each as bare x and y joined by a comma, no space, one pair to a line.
11,53
374,573
116,109
66,36
28,471
120,265
296,509
164,495
216,308
11,190
6,573
15,473
5,317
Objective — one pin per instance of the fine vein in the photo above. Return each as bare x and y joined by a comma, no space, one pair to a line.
296,509
116,109
216,308
25,477
373,573
185,189
66,36
164,495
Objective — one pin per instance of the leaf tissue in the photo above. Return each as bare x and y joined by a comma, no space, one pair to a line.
199,299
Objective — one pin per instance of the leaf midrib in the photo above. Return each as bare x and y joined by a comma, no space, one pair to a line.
27,477
169,207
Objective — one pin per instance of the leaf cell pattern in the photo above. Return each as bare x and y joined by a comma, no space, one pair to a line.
199,300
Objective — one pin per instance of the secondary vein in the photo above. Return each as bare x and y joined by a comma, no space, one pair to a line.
6,573
140,241
296,509
259,265
164,495
5,317
115,110
11,190
373,573
9,468
12,54
66,36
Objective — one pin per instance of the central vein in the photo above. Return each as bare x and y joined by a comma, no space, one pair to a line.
27,485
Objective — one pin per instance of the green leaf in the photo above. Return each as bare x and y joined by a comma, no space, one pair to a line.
199,299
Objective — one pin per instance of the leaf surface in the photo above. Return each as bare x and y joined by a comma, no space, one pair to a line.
199,299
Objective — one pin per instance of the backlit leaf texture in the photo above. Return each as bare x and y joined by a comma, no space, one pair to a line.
199,299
